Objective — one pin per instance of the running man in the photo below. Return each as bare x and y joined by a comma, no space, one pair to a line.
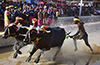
80,34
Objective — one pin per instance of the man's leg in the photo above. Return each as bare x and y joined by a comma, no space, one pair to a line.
75,43
86,42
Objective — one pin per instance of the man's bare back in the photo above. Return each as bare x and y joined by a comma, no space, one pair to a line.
81,28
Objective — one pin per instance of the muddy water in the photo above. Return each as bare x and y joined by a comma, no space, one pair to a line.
67,55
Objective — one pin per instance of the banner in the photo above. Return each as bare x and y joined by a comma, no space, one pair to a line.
14,0
35,1
40,2
28,1
31,1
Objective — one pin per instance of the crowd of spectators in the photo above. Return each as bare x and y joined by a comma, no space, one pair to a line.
64,10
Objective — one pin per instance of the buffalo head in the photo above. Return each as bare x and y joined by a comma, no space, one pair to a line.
10,31
31,35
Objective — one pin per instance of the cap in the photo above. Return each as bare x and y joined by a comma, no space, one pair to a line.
7,7
76,19
15,7
19,8
11,5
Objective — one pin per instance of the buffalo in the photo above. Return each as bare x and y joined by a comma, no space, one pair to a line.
18,32
45,40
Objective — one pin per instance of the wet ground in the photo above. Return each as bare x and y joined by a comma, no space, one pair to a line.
67,55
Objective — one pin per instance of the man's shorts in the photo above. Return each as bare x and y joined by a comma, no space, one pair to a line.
81,36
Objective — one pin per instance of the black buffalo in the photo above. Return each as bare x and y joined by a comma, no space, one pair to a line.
45,41
14,30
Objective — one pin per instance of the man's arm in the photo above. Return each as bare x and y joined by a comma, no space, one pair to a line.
75,34
78,27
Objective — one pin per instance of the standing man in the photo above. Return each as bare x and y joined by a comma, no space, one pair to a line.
40,17
45,16
31,14
81,34
6,17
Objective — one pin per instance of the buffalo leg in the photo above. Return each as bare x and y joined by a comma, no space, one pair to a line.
16,45
17,51
38,58
58,50
31,53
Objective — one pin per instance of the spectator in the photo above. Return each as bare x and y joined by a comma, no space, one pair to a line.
30,15
49,20
6,17
45,17
40,17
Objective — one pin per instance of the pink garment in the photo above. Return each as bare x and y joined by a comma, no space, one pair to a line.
30,19
40,21
49,20
7,13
